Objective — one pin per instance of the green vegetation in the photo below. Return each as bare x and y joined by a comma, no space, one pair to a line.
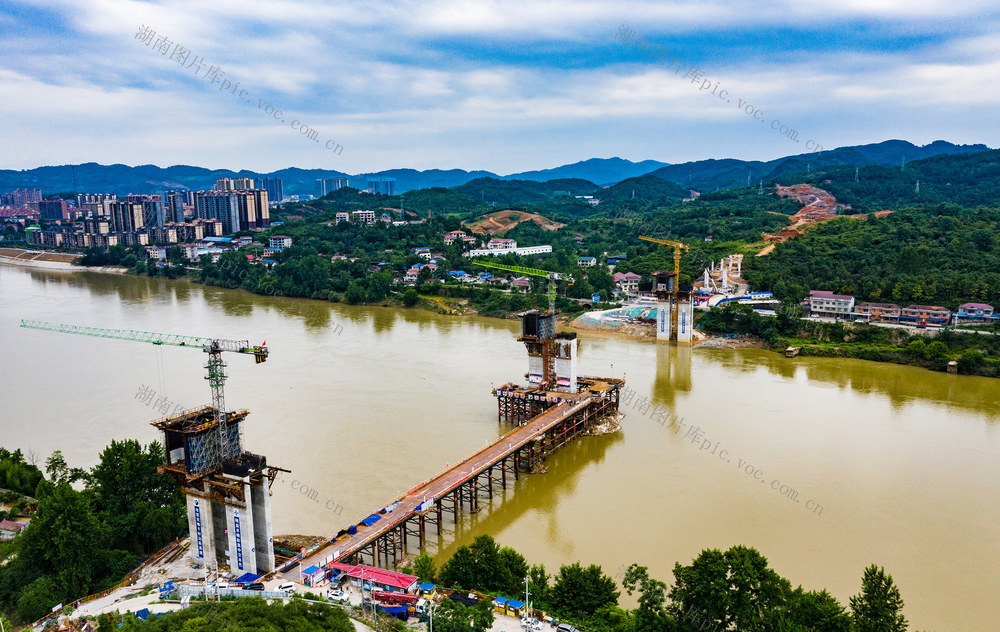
250,614
944,255
81,542
17,475
719,590
967,180
976,354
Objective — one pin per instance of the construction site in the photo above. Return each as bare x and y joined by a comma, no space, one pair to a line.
227,488
553,407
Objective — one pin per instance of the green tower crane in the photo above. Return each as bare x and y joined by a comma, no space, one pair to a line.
215,366
553,277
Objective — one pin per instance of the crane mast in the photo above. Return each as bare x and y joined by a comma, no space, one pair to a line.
227,448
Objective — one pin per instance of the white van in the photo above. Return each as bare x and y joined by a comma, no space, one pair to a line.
286,587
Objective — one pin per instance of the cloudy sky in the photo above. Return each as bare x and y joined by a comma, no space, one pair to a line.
502,86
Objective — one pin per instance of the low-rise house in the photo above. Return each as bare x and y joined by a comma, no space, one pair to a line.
522,282
826,303
974,311
454,235
280,242
10,529
931,313
586,262
343,217
627,282
364,217
874,312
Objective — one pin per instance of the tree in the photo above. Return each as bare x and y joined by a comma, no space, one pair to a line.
538,584
141,507
582,591
650,616
755,590
970,361
819,612
879,605
702,587
58,470
410,297
451,616
58,545
424,567
379,286
355,294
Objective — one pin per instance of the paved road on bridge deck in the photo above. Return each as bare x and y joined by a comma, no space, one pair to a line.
440,485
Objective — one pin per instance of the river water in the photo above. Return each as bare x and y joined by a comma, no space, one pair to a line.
893,465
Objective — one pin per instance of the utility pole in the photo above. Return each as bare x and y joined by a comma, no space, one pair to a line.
527,606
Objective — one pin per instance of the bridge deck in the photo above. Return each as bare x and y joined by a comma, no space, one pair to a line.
441,484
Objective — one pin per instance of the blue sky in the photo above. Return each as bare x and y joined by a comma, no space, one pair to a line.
502,86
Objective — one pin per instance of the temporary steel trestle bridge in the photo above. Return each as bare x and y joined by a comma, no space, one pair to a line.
547,421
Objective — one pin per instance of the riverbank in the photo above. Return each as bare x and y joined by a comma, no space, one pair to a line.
56,261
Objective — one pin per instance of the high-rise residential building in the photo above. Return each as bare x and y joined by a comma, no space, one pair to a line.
219,205
20,197
379,184
223,184
275,191
153,209
96,203
52,209
263,207
326,185
246,202
126,216
243,184
175,205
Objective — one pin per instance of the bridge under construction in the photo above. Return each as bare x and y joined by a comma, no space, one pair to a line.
553,409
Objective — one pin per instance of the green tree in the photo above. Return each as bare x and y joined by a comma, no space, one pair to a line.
451,616
971,361
879,605
58,545
650,616
703,588
582,591
424,567
538,585
355,293
410,297
819,612
379,286
141,507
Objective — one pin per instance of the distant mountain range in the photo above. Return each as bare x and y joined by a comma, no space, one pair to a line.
708,175
702,175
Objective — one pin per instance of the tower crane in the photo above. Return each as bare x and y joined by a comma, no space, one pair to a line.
225,450
553,277
678,246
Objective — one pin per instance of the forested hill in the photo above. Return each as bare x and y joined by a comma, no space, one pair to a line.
708,175
940,255
968,180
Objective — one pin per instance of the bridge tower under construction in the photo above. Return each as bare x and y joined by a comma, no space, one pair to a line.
228,503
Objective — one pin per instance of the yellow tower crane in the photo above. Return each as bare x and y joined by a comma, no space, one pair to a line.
678,246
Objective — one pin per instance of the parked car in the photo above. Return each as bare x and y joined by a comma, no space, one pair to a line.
286,587
531,624
254,586
338,596
565,627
